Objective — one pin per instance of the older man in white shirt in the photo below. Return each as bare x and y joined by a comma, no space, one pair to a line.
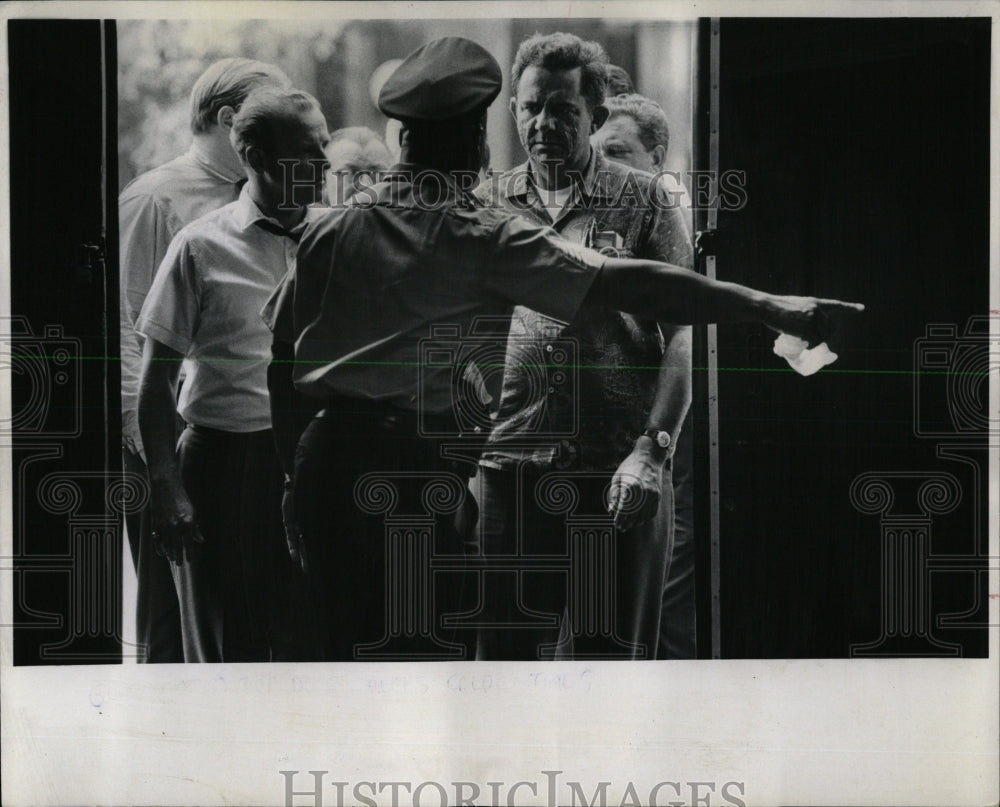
216,503
151,210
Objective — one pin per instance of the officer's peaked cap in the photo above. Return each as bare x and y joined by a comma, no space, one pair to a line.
444,79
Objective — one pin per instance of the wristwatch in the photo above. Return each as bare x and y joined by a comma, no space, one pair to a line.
661,438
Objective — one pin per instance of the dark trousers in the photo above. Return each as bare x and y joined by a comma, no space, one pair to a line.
678,619
532,608
157,612
234,593
377,506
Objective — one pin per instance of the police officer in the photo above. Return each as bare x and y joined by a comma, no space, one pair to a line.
418,251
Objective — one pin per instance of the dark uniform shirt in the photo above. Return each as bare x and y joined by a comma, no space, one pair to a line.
385,290
591,412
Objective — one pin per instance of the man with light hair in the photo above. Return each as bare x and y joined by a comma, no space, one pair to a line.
216,500
151,210
356,155
637,134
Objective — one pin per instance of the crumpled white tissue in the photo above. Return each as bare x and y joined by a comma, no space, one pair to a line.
803,360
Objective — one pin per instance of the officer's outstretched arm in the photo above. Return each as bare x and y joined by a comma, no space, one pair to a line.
672,294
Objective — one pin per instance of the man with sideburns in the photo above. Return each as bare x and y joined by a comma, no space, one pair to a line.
620,423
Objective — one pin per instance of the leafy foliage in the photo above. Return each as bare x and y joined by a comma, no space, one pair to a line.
159,61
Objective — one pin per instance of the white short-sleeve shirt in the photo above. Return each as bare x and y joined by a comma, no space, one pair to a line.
205,303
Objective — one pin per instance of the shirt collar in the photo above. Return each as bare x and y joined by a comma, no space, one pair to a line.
410,174
201,156
411,171
522,179
248,213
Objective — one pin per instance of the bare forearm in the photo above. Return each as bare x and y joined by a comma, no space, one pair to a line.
673,389
158,416
672,294
669,293
131,369
174,526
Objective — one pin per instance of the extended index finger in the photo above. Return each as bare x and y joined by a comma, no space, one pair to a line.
837,306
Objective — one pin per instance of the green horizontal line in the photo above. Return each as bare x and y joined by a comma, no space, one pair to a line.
499,365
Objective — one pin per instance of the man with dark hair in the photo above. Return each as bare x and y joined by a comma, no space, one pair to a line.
151,210
374,494
355,154
216,502
620,422
560,51
619,81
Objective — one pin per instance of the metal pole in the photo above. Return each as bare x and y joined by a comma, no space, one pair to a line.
712,338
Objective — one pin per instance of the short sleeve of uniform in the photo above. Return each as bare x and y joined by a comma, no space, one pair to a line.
534,267
278,312
170,313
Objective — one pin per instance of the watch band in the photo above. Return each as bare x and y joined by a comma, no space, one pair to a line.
658,436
